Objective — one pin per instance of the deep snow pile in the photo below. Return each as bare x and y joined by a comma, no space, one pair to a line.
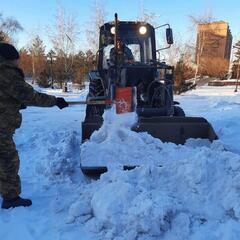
112,142
181,192
49,147
220,105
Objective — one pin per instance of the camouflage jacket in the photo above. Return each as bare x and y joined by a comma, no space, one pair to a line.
14,92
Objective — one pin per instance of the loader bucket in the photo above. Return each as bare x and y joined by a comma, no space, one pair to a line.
176,129
167,129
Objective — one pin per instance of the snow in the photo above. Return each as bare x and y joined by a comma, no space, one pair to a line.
109,142
177,192
220,105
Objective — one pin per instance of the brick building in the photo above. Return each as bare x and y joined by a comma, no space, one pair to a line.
213,50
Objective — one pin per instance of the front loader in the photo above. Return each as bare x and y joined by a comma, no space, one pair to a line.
128,72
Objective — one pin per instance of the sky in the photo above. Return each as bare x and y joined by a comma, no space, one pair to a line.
36,15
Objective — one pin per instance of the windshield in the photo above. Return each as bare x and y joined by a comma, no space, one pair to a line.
134,48
140,47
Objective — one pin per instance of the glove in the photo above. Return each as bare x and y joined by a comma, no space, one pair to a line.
61,103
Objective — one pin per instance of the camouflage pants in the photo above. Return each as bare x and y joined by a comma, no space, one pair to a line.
10,185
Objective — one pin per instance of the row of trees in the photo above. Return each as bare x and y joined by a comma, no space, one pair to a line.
54,66
62,62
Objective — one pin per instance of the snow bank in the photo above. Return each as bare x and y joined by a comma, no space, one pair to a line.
181,192
48,143
50,152
178,192
220,105
112,142
194,194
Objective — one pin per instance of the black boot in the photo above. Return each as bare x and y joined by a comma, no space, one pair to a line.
16,202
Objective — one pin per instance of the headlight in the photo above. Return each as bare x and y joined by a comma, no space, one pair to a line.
143,30
112,30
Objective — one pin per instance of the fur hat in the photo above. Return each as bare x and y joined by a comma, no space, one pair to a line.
8,51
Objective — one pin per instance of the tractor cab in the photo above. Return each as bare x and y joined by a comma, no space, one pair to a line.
135,40
127,58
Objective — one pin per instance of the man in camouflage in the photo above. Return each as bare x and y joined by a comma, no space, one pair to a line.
14,94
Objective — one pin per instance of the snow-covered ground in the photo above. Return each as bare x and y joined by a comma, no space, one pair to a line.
181,192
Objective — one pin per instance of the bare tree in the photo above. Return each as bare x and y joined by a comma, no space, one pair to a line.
32,34
146,16
64,35
98,18
206,17
37,50
8,27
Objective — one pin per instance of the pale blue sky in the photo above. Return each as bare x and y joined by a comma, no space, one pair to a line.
36,14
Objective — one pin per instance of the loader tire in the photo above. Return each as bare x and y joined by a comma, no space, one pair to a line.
178,112
95,90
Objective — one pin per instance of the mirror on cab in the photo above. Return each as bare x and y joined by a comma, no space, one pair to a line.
169,36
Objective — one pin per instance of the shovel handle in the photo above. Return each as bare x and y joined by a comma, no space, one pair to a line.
98,102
